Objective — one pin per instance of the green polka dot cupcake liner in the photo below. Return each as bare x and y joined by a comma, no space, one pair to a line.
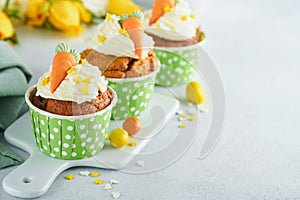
70,137
177,64
134,95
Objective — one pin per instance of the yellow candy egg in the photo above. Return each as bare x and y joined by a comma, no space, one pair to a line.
118,137
195,93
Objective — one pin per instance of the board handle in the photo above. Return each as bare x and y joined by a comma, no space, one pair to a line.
34,177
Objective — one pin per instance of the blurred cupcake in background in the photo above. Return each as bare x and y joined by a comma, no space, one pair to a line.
177,35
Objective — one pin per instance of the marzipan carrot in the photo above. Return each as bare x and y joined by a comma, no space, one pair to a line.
134,27
159,9
62,62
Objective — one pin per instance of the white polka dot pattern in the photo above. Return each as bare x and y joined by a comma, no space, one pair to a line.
133,97
177,66
70,139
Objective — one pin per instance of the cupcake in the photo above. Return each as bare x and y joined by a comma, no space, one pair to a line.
124,53
70,107
177,36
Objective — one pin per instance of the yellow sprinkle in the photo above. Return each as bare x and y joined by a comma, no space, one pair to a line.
45,81
108,16
99,181
78,79
181,125
84,90
101,38
192,118
167,9
182,115
87,81
192,16
82,61
69,177
157,25
124,32
132,143
72,69
167,95
184,18
95,174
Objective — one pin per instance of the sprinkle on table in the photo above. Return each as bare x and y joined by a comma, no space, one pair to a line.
114,181
99,181
140,163
84,173
107,186
192,118
167,9
132,143
182,125
95,174
69,177
115,194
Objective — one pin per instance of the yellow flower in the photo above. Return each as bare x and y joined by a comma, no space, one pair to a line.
36,12
85,15
6,27
65,16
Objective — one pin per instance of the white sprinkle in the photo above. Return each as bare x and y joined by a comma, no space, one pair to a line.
115,194
107,186
140,163
192,111
113,181
84,173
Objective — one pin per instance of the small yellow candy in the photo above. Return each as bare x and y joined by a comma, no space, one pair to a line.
182,126
192,16
132,143
99,181
118,137
124,32
95,174
195,93
69,177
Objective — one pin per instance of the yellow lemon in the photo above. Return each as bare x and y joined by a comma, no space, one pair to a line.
64,15
6,27
118,137
120,7
195,93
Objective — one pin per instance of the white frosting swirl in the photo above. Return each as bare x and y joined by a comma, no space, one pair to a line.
81,84
114,43
98,7
177,24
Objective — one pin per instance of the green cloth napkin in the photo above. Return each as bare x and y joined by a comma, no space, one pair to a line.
14,77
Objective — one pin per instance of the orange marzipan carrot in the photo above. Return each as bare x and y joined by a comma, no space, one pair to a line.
134,27
62,62
158,9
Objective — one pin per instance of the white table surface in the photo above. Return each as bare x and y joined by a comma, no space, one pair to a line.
255,46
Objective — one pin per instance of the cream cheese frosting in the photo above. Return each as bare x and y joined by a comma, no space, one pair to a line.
177,24
109,38
82,83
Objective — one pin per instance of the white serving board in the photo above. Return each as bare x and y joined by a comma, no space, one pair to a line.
34,177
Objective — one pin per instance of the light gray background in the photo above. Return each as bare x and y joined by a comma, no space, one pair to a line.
255,45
